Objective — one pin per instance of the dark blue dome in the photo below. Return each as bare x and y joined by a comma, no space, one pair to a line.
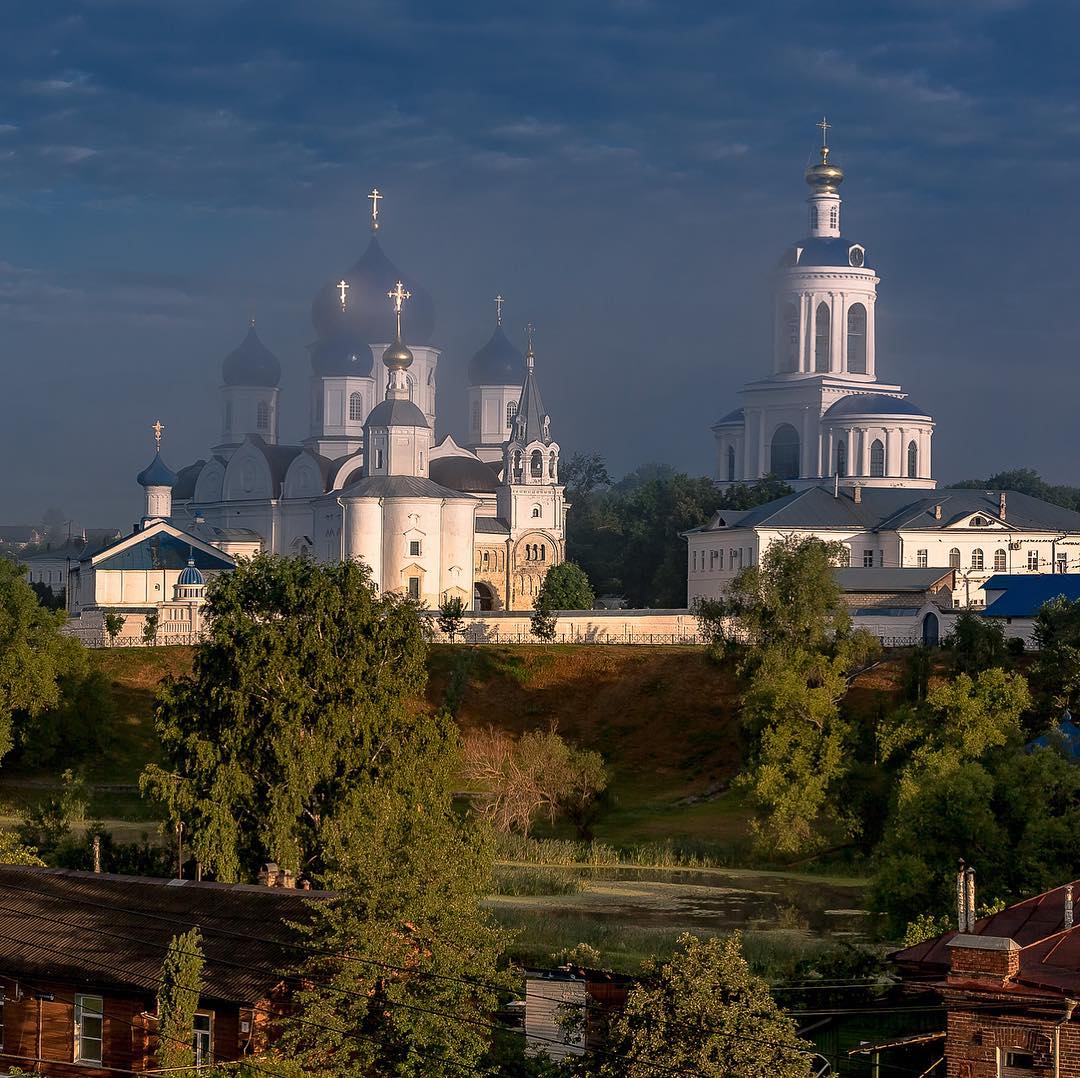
157,474
368,313
821,251
467,474
344,353
191,577
874,404
252,364
498,363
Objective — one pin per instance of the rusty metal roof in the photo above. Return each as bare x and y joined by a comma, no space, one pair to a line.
113,931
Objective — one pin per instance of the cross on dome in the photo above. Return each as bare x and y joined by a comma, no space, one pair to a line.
343,288
824,125
157,428
375,195
498,310
399,293
529,355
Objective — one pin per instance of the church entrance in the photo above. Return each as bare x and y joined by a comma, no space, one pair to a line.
483,597
931,630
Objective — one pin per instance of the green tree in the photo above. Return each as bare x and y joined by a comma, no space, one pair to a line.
977,644
114,624
1056,637
150,628
543,620
1026,481
34,654
566,587
301,693
178,1000
451,617
742,496
410,876
582,474
704,1012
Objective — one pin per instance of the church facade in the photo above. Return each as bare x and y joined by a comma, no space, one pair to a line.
482,521
822,415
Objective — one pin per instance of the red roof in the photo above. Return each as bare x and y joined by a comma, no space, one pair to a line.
1049,952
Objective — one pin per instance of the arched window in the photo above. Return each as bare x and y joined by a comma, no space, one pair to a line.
790,331
954,558
412,387
999,560
536,511
822,335
841,458
518,464
476,415
912,460
536,464
228,416
543,551
356,407
977,560
731,464
784,462
834,217
511,411
877,457
856,339
262,416
486,563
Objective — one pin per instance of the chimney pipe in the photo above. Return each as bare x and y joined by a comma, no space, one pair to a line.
1068,906
1001,505
961,901
970,898
97,860
937,512
858,493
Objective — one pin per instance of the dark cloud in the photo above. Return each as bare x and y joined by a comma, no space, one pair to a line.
626,173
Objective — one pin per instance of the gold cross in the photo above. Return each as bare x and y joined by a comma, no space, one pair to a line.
824,125
399,294
157,428
528,333
498,310
343,287
375,195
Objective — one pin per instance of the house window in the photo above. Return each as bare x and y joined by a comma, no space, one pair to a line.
88,1028
378,459
1017,1060
414,587
912,461
202,1038
954,558
821,338
1033,561
999,560
977,560
877,458
262,416
979,522
868,559
922,558
414,548
856,338
476,415
356,407
834,217
511,411
536,512
1063,562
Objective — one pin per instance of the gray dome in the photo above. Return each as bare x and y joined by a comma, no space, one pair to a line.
821,251
395,413
251,364
498,363
345,353
368,314
156,474
874,404
467,474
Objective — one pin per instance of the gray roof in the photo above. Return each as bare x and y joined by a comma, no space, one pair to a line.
492,526
891,508
395,413
889,580
820,251
735,416
463,473
874,404
251,363
278,458
401,486
186,478
529,425
498,363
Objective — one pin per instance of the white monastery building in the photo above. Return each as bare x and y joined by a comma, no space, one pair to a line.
822,414
369,482
857,452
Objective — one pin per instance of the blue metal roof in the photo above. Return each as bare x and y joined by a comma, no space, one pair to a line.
874,404
1026,593
156,474
164,551
1066,735
821,251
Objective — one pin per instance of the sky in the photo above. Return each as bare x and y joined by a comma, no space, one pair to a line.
626,173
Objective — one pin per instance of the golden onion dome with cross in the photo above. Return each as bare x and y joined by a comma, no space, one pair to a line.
824,177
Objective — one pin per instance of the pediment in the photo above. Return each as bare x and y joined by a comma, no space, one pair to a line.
978,522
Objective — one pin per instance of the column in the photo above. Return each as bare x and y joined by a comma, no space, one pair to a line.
890,453
806,465
864,451
759,471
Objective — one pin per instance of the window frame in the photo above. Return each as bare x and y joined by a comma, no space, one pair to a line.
922,559
857,320
867,558
356,407
955,557
877,459
414,588
416,548
197,1034
1001,560
1033,561
822,338
81,1038
978,559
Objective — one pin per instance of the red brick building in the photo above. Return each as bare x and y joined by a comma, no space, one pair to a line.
1011,986
81,957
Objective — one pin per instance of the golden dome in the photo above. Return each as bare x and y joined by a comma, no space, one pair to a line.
823,177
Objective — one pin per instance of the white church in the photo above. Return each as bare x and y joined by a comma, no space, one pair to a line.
433,520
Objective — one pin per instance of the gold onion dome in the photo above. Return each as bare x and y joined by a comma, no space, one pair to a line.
823,177
397,356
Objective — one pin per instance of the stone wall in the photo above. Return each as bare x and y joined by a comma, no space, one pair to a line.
582,627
